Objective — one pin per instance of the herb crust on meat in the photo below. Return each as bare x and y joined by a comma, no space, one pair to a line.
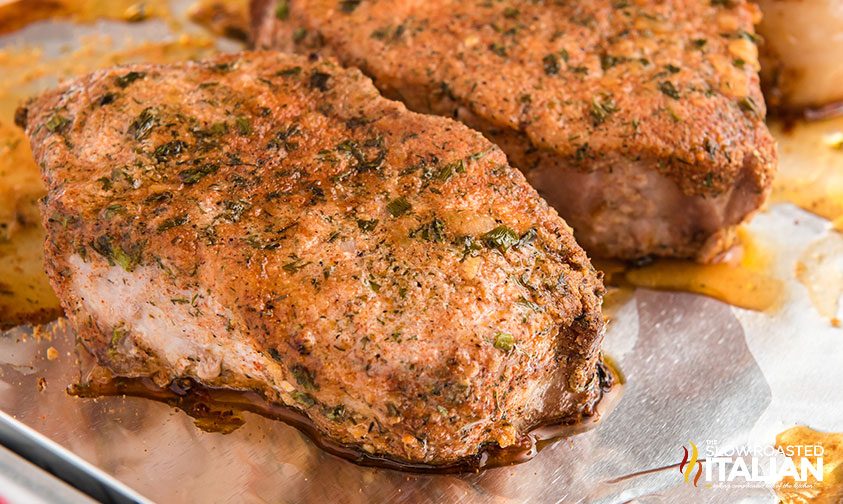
641,122
269,222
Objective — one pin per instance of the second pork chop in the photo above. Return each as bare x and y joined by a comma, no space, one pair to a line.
641,122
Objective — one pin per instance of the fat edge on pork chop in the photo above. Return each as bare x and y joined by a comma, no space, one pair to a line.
641,122
271,223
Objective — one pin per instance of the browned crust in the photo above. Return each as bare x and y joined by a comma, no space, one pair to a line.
324,154
587,83
707,110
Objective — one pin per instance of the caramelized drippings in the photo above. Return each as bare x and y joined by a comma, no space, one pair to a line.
820,270
224,18
827,491
811,176
618,290
17,14
20,184
810,173
25,293
221,410
741,280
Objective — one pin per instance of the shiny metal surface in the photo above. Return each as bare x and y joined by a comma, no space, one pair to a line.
20,481
696,369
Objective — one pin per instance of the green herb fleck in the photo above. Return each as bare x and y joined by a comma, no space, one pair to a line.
336,414
295,265
143,124
349,5
398,207
527,238
161,197
283,138
112,210
282,10
433,231
191,176
607,61
305,399
173,222
551,64
117,335
367,225
445,172
504,342
217,129
522,301
106,183
107,99
710,147
56,123
115,254
125,80
498,49
244,126
305,377
362,162
319,80
501,238
289,72
669,89
169,149
748,105
602,109
582,153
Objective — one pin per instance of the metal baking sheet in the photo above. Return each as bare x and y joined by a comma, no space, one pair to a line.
20,481
697,370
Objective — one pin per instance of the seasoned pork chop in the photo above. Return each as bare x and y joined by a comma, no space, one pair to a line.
641,122
271,223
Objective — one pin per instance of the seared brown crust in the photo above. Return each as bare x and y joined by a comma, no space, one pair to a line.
270,222
578,86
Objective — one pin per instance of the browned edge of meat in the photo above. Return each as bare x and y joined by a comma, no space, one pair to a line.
269,222
641,122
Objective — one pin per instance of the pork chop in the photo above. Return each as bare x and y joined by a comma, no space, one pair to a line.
270,223
641,122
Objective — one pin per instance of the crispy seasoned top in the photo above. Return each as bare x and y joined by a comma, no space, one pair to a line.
674,81
389,262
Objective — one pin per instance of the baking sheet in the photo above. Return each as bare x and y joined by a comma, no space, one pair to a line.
696,370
